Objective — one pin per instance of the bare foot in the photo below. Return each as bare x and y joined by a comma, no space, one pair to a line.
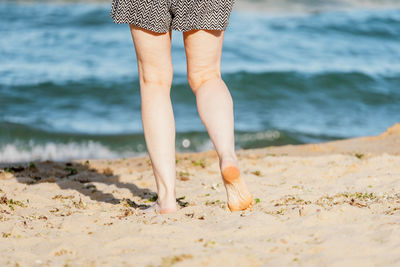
155,208
239,197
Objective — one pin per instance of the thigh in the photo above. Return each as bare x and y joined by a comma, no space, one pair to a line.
203,50
153,53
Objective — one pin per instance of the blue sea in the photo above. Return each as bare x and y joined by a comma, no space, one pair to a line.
69,85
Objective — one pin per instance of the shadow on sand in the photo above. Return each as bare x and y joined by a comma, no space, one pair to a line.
77,176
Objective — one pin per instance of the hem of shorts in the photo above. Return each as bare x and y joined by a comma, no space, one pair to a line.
208,27
139,24
181,29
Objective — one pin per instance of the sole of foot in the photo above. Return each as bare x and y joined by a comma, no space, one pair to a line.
239,197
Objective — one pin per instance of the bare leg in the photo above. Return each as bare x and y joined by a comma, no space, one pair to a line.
153,52
215,106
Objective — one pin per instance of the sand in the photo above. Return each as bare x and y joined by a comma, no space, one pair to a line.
331,204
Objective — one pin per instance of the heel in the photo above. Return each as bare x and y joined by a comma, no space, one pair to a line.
231,174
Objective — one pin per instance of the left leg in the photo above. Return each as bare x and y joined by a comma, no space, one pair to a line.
153,52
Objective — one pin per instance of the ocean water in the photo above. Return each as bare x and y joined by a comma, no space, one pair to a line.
69,86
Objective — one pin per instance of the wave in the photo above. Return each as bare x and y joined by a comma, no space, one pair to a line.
338,25
24,144
58,152
65,46
264,100
30,150
307,6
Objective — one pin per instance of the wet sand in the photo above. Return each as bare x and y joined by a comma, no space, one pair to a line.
330,204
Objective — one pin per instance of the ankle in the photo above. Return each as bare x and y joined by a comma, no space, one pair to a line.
167,201
228,159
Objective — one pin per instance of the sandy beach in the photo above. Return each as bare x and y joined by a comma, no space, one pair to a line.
330,204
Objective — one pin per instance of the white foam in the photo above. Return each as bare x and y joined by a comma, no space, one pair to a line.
58,152
259,136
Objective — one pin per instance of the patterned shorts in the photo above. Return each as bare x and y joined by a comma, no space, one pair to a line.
179,15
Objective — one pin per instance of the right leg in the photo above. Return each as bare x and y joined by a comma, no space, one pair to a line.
215,107
153,52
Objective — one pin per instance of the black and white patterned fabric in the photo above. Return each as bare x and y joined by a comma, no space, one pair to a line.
180,15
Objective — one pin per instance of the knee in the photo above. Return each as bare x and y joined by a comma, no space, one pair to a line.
197,79
157,77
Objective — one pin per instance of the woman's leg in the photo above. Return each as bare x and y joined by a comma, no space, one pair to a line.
215,106
153,52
